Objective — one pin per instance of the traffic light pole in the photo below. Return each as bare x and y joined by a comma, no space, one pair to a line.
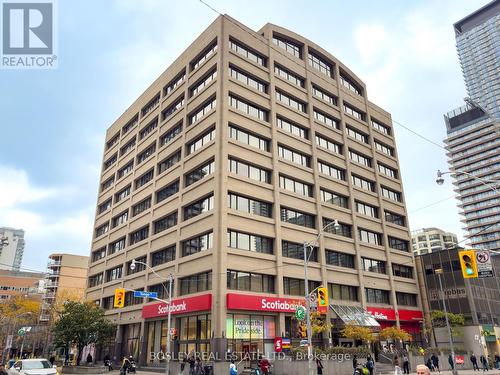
308,312
454,371
167,369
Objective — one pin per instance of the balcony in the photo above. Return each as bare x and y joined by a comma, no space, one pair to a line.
53,284
49,295
45,317
54,263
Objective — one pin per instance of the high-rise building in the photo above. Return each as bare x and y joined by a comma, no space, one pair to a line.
11,248
19,284
478,46
245,147
428,240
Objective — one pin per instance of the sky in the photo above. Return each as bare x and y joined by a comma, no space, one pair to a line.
53,122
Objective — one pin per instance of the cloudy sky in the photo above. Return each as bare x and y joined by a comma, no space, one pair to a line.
53,122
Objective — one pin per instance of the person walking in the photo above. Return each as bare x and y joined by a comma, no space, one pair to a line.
198,367
232,368
397,369
370,364
354,363
319,366
450,361
484,363
406,364
497,361
435,362
473,360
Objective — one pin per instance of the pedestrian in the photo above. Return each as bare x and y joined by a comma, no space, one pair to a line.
198,367
450,361
370,364
264,365
354,362
497,361
52,359
473,360
484,363
183,365
423,369
397,369
319,366
2,370
89,359
406,364
192,363
435,362
232,368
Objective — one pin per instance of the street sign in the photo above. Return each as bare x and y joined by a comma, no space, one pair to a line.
8,345
278,347
484,267
304,343
141,294
300,312
21,332
286,343
459,359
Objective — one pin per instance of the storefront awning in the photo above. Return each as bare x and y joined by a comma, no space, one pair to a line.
356,315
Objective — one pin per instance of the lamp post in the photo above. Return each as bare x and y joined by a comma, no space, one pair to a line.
486,182
170,280
336,225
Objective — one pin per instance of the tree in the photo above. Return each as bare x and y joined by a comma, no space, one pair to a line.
355,332
319,323
395,334
81,324
456,320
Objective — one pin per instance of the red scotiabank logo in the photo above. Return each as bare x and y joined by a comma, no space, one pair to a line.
178,306
390,314
277,345
262,303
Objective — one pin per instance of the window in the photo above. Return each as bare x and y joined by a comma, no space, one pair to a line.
114,273
343,229
173,84
339,259
153,103
169,162
108,183
249,139
247,79
391,194
394,218
331,171
201,141
250,242
139,266
290,127
113,141
161,289
334,198
251,282
141,206
139,235
389,172
328,144
290,47
402,271
249,205
296,287
130,125
200,112
294,156
326,119
103,207
324,95
248,108
199,173
167,191
349,84
122,194
148,128
291,102
119,219
247,52
406,299
165,223
167,137
204,56
95,280
288,75
101,230
373,265
116,246
354,112
98,254
126,169
377,296
369,237
196,244
296,251
109,163
398,244
361,159
381,127
203,82
384,148
197,208
196,283
144,179
320,64
357,135
128,147
366,209
163,256
174,107
130,300
250,171
362,183
296,186
298,218
340,292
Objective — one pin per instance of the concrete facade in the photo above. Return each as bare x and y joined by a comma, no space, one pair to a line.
428,240
11,254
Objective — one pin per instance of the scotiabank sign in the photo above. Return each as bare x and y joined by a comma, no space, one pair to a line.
178,306
390,314
262,303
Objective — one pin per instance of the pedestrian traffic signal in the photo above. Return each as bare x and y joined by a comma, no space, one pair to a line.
322,300
119,298
303,331
468,263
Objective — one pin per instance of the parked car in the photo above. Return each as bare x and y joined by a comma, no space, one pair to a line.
38,366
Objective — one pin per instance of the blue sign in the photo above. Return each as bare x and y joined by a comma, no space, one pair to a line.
141,294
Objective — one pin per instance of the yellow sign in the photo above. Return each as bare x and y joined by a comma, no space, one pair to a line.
119,298
468,263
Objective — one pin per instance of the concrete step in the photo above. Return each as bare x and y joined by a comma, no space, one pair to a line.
383,368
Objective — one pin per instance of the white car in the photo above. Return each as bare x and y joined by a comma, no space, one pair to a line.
38,366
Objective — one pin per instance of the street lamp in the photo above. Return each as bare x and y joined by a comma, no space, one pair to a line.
486,182
170,280
336,225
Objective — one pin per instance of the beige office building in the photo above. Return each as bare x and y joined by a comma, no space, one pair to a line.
245,147
429,240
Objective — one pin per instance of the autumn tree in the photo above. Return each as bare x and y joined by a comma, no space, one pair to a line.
356,332
395,334
17,312
319,323
456,321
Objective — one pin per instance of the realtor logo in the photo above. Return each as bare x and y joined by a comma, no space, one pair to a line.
28,35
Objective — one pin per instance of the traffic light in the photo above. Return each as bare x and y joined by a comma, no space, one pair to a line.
119,298
468,263
303,331
322,300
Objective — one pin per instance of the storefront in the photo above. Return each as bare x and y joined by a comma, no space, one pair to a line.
409,320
